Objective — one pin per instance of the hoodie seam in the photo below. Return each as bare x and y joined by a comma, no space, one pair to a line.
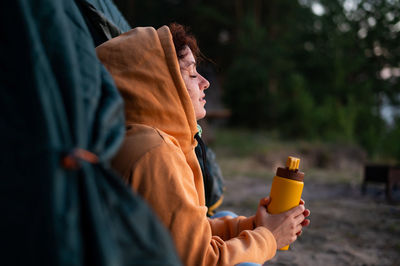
164,142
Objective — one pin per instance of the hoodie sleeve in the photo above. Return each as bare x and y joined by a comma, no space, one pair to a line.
164,178
228,227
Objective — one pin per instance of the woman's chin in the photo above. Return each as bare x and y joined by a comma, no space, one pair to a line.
201,115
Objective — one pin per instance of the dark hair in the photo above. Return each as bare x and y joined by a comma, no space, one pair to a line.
182,38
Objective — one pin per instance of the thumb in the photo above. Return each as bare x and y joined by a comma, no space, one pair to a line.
261,213
264,202
262,208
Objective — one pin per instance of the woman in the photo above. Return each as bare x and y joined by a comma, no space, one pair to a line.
164,96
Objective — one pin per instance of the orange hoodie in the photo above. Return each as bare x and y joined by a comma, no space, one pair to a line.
157,157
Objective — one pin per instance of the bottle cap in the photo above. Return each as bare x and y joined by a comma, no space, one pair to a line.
293,163
292,170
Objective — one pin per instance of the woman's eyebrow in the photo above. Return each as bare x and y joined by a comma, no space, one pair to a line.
188,64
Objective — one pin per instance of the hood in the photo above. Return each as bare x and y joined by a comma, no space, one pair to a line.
145,68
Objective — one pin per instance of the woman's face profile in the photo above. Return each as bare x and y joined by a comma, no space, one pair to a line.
195,83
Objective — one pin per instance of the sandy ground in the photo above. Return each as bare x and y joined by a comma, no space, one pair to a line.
346,228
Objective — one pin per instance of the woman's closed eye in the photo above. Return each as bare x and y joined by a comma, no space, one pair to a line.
193,76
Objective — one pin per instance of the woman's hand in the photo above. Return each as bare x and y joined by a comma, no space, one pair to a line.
285,226
306,213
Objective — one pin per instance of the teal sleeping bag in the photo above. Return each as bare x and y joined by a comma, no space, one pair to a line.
61,120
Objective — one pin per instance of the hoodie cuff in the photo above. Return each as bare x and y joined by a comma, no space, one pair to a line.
247,223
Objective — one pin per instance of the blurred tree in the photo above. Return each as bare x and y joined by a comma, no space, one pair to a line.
308,68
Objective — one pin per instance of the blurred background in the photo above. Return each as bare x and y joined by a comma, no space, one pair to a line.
316,70
314,79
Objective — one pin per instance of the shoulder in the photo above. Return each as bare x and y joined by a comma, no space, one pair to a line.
140,140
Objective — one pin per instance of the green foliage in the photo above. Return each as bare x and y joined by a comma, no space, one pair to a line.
287,67
391,145
297,109
320,77
248,78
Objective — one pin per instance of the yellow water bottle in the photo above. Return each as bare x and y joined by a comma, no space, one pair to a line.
286,188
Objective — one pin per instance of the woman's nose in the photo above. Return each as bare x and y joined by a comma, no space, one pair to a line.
204,84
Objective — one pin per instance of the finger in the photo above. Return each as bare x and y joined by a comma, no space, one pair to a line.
264,201
298,227
299,233
305,223
299,219
294,239
296,210
302,202
267,200
306,213
262,208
